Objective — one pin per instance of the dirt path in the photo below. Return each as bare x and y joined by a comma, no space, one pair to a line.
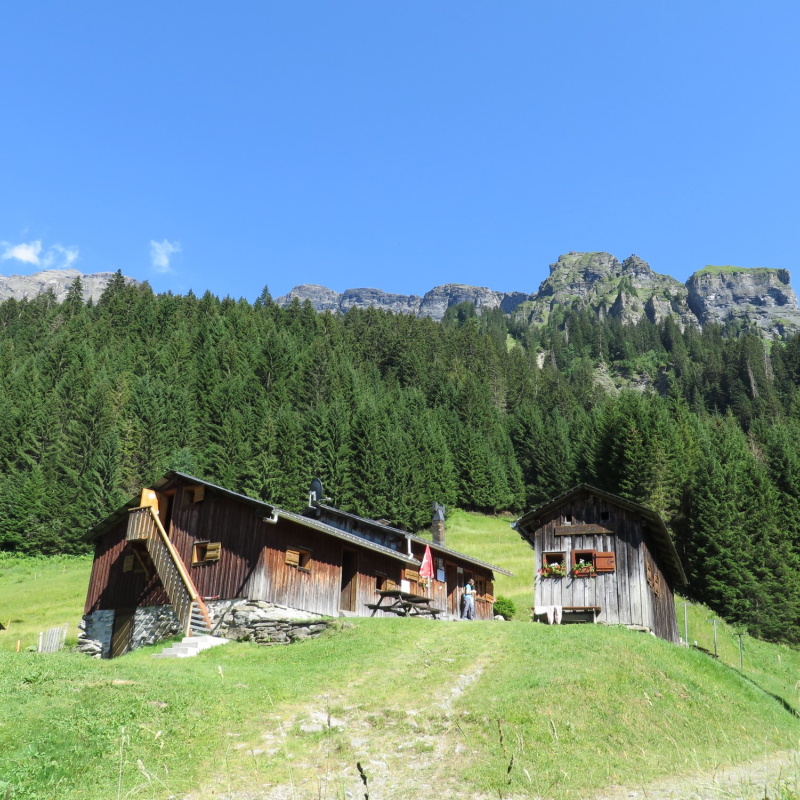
776,777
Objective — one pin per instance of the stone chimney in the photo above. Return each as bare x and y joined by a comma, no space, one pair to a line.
437,524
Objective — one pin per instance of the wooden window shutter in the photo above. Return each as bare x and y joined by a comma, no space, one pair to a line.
605,562
199,493
213,550
656,584
127,564
293,558
412,575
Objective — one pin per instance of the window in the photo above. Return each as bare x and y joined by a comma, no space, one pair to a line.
551,559
605,516
205,553
583,563
440,573
384,584
193,494
300,559
568,519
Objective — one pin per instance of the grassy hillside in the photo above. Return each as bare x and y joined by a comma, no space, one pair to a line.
41,593
429,709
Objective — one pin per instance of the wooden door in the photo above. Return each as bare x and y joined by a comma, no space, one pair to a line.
347,598
123,632
453,596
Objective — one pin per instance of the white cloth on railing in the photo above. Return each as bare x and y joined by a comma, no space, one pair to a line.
553,613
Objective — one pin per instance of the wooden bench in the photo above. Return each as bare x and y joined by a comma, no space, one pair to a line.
404,604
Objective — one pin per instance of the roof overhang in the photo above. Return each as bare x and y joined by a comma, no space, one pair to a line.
527,524
164,482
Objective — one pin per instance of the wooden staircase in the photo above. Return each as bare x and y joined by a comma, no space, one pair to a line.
145,526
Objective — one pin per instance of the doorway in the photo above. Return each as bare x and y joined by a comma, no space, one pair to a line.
347,598
123,632
452,576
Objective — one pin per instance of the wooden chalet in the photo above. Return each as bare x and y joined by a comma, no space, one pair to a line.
602,558
188,543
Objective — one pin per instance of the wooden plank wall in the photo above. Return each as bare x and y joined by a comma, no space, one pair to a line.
252,562
665,623
623,595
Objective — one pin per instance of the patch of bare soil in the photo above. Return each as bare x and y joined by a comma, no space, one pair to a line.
774,777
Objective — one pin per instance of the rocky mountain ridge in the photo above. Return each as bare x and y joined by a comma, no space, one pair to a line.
59,280
627,290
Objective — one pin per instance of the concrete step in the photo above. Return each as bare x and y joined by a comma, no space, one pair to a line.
190,646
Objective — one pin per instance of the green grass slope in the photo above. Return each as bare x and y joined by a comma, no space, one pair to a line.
429,709
41,593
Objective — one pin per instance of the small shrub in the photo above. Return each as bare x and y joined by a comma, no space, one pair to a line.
504,607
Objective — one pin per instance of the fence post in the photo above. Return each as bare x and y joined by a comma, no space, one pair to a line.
686,624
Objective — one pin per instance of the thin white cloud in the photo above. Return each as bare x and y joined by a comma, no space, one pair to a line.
59,257
161,252
27,253
54,257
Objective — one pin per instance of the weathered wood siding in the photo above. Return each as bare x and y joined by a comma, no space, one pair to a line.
109,586
252,561
623,595
665,623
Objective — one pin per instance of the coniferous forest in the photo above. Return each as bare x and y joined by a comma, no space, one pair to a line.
394,412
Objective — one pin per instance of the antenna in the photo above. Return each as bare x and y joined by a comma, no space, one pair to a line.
315,494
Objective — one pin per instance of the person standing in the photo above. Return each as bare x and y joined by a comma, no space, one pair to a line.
469,601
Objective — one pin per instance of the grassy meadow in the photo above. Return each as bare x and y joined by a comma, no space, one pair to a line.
429,709
41,593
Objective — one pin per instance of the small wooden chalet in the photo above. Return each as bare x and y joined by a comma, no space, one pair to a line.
602,558
188,543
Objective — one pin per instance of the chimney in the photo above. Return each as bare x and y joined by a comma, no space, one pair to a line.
437,524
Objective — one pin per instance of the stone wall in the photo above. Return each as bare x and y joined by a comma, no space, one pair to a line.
94,633
267,623
153,624
242,620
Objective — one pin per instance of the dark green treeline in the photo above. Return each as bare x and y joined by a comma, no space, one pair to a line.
394,412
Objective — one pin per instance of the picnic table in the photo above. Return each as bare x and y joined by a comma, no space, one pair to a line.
404,604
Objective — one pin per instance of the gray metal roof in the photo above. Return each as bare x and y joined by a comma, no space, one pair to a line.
399,532
528,522
348,537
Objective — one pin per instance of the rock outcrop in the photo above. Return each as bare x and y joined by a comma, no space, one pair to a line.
59,280
433,304
761,297
627,290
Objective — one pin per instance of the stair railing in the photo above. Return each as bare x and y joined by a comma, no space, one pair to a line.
145,524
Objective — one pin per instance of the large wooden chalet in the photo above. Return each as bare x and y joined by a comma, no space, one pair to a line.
186,542
602,558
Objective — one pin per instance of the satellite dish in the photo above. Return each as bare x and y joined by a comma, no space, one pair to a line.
315,493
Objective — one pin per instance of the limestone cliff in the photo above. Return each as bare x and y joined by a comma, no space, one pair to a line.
433,304
59,280
761,297
627,290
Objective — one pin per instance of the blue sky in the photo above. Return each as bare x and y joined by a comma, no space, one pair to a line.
395,144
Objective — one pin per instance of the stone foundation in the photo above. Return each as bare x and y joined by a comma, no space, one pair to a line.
267,623
153,624
241,620
94,633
